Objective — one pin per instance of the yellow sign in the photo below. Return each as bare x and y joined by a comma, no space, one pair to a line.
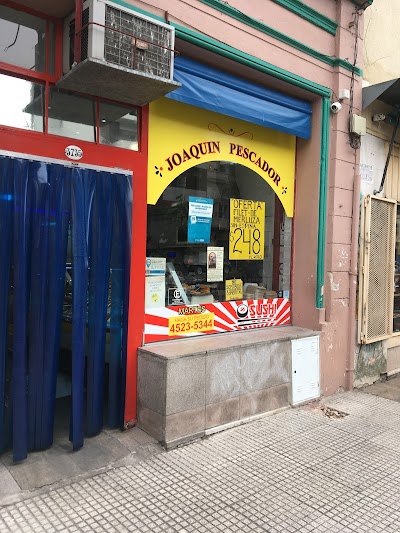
183,136
183,324
233,289
246,229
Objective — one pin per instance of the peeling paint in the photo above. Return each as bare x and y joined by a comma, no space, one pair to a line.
334,286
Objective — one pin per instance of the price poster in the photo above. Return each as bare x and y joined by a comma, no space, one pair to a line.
246,229
233,289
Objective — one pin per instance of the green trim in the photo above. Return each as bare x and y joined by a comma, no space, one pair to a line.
241,57
323,191
260,26
309,14
138,10
344,64
257,25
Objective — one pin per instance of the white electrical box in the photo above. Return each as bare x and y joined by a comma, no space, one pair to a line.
358,125
305,369
344,94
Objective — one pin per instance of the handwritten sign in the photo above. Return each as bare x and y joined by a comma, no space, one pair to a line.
247,229
233,289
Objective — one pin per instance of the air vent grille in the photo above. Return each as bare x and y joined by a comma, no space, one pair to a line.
137,43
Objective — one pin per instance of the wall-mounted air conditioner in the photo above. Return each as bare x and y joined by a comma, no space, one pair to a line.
116,43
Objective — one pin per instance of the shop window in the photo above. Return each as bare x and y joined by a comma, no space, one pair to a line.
71,115
118,126
23,106
222,235
23,40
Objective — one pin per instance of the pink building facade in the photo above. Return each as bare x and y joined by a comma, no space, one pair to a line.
240,176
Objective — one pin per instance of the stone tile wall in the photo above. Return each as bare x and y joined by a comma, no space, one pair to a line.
181,395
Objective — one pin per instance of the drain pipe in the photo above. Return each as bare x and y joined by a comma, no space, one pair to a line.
353,277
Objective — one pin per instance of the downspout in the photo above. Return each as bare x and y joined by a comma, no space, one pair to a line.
353,272
323,191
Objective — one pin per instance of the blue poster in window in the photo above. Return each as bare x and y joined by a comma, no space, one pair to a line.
200,218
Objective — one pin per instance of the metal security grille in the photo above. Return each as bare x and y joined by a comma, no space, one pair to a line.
377,254
84,38
392,183
137,43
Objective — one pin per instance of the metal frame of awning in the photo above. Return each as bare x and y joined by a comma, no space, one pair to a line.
387,92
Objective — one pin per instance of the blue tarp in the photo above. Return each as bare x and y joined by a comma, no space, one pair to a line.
211,89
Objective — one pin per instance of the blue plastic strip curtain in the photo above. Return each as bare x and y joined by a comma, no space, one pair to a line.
6,211
99,273
39,239
41,204
126,212
21,237
212,89
58,226
80,202
120,271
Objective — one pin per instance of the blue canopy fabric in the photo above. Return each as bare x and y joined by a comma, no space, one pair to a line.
212,89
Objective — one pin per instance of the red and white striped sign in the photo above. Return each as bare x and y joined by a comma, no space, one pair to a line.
180,321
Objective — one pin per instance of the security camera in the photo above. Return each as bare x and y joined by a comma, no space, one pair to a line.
336,107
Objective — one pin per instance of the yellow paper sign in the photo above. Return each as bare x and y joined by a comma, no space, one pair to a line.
233,289
183,136
246,229
183,324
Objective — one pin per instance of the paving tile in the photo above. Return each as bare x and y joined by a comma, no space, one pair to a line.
295,472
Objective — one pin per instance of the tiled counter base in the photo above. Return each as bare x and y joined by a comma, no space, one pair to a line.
187,387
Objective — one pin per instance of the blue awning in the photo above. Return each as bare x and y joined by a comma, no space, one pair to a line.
211,89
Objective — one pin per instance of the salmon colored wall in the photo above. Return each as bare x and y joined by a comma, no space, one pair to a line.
333,321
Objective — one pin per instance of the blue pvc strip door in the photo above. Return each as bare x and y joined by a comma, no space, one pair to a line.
211,89
47,213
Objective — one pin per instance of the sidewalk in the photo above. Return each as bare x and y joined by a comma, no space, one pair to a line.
309,469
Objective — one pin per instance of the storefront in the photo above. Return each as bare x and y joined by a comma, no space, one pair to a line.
221,201
236,218
72,178
221,197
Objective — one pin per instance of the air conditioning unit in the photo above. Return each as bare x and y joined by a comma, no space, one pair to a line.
119,46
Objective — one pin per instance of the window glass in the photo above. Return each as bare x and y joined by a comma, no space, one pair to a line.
396,310
23,39
118,126
22,104
247,221
52,48
71,115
